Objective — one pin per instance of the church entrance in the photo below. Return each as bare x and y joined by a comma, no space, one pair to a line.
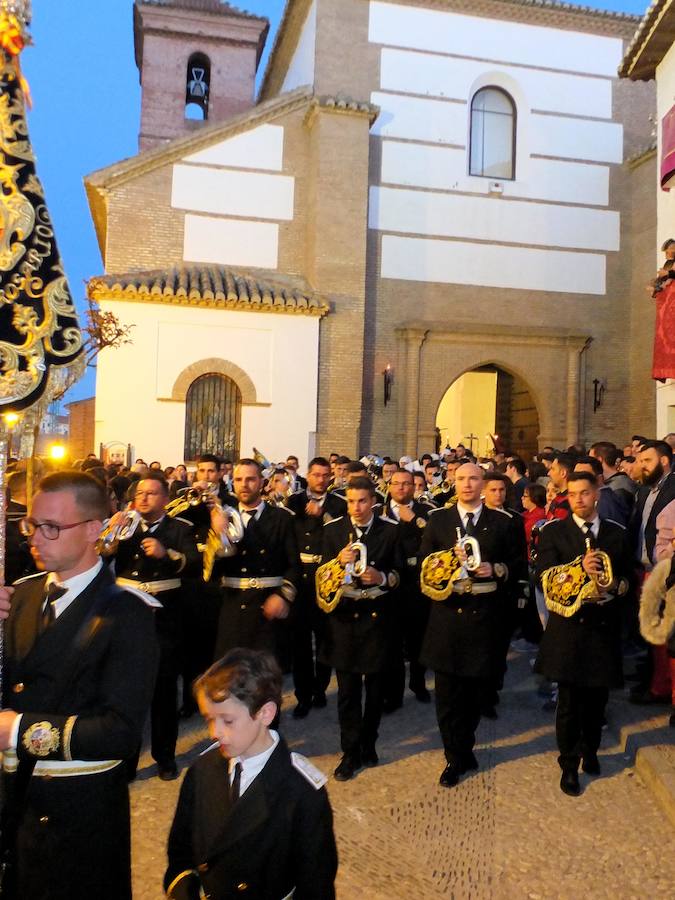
489,401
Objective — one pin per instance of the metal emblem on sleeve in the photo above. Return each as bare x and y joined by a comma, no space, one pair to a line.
41,739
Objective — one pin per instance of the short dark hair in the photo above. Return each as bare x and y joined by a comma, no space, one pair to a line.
400,470
362,483
318,461
518,464
208,457
494,475
292,456
591,461
91,462
565,461
250,676
641,438
582,476
604,450
355,466
248,461
661,448
536,470
432,465
536,492
342,460
158,476
90,495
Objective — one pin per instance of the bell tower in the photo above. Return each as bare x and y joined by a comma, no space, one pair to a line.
197,61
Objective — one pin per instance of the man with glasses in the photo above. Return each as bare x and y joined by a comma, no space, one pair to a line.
160,552
412,607
79,670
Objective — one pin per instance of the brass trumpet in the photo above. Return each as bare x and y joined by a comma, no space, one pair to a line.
358,567
115,531
471,548
603,581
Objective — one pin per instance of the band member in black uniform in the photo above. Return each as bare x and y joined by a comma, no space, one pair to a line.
154,559
462,640
202,598
253,820
259,581
313,507
412,607
356,469
359,625
581,645
80,659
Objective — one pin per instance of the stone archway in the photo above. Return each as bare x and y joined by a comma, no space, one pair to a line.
486,401
215,366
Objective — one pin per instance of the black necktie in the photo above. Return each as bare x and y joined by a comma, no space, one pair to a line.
588,533
236,783
54,592
251,518
469,528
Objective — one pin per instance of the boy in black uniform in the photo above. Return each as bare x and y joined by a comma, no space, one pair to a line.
359,629
252,819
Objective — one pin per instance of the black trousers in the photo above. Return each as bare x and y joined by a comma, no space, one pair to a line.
412,614
201,606
578,722
164,709
358,726
458,706
309,677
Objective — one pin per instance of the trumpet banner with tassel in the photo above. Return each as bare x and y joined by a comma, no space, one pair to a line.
566,587
39,333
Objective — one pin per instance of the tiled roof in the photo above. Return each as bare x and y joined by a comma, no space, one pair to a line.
217,287
215,6
650,43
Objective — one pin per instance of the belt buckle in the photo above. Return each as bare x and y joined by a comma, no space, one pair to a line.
468,587
253,583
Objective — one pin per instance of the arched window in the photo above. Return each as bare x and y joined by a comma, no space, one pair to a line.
197,87
493,134
212,417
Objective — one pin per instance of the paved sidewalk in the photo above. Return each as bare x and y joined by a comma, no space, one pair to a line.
506,831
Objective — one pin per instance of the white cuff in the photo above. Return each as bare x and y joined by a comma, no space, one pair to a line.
14,733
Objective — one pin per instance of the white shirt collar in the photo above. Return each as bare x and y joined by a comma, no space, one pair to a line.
364,529
74,586
464,512
594,523
253,766
258,510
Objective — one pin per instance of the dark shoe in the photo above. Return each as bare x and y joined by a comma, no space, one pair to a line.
450,776
569,783
167,771
347,768
671,720
422,695
390,706
646,698
489,712
301,711
187,711
469,762
369,757
590,764
319,701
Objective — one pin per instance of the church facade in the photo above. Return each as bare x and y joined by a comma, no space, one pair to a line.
422,189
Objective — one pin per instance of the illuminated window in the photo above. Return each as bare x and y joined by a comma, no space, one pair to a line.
212,417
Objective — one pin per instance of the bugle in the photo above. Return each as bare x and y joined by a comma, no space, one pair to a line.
471,549
358,567
119,527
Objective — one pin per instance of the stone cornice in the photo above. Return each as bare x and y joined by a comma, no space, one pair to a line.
492,334
652,40
341,105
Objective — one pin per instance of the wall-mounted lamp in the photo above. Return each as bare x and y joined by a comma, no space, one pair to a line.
388,376
599,388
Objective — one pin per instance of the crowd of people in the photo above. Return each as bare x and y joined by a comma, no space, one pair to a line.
131,581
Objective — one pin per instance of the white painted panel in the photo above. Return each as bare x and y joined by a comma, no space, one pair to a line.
232,193
454,262
301,68
445,76
231,242
259,148
576,139
436,121
490,218
533,45
445,168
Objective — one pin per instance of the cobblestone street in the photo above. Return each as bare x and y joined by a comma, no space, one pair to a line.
505,832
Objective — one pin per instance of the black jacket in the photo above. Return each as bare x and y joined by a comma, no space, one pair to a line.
173,534
278,836
358,632
665,496
86,699
584,649
462,635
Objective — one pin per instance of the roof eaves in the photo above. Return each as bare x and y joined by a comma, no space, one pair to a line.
125,169
640,41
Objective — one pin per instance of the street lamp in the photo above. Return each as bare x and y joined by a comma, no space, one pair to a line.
11,419
57,453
